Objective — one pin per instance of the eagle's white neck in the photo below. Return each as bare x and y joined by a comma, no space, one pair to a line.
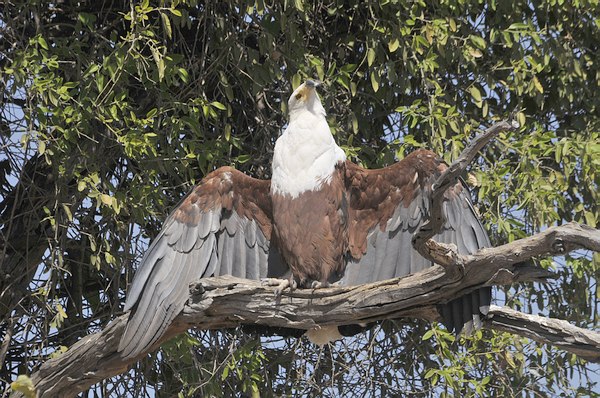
306,153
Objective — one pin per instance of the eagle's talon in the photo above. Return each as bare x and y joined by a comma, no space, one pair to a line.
281,285
319,285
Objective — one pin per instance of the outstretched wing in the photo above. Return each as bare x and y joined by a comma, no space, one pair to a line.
386,207
222,227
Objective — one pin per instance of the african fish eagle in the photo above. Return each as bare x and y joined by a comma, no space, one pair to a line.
320,219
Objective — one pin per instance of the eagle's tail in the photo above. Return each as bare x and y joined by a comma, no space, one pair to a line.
466,313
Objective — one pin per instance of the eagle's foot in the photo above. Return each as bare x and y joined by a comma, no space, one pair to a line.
281,284
319,285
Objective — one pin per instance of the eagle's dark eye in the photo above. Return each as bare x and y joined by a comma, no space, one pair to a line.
298,96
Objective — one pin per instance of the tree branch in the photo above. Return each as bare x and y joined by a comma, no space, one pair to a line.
448,178
581,342
224,302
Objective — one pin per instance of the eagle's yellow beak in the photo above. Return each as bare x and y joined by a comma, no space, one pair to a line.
306,89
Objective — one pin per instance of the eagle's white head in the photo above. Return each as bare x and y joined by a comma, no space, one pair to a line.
306,154
306,100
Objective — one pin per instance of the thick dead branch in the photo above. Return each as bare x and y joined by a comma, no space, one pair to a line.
448,178
581,342
228,302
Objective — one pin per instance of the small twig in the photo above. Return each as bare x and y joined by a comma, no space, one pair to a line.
6,341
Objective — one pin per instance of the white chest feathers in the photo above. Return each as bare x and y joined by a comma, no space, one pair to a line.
305,156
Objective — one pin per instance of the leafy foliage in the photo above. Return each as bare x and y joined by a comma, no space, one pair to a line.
110,111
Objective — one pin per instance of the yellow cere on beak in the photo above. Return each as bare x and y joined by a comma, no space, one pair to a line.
302,94
306,88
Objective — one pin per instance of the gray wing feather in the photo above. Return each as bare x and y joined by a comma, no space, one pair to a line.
250,233
240,255
225,254
188,238
154,254
220,243
390,252
172,232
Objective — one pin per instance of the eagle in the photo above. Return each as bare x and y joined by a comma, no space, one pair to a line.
321,219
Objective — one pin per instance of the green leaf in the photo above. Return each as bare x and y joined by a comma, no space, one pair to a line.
106,199
161,69
509,359
243,158
183,74
521,119
452,24
538,85
218,105
454,126
370,56
478,41
375,81
348,68
475,93
428,334
296,81
393,45
61,310
316,61
24,385
430,373
166,24
517,26
86,18
151,113
42,43
67,211
590,218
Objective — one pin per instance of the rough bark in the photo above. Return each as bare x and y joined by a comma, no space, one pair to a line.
227,302
581,342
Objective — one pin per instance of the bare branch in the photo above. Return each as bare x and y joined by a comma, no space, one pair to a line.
224,302
448,178
581,342
553,241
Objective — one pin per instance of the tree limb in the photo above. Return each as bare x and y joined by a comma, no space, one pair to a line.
225,302
448,178
581,342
